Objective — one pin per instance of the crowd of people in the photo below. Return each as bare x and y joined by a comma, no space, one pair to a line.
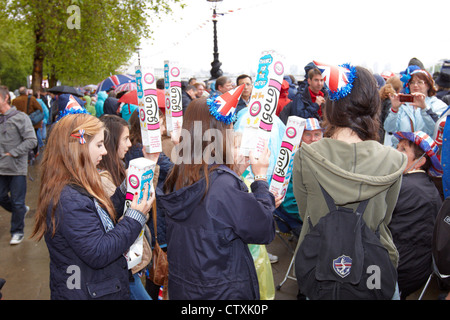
360,143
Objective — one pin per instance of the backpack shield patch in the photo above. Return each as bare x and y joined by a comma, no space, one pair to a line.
342,265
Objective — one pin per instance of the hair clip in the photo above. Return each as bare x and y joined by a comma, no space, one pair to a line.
405,76
79,136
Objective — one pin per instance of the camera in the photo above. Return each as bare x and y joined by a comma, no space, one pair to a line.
406,97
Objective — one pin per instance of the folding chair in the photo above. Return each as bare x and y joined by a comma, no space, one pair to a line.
441,244
440,276
290,226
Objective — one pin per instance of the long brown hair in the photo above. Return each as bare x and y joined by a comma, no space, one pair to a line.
358,111
189,170
67,161
115,126
135,128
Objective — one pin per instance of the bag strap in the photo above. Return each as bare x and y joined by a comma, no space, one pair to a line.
329,200
332,206
154,220
28,102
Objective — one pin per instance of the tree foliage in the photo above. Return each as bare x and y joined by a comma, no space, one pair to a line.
15,50
80,42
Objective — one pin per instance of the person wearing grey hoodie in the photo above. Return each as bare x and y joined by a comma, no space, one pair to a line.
17,138
350,164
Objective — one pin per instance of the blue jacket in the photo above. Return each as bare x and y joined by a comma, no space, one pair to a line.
409,117
127,110
101,97
207,238
86,262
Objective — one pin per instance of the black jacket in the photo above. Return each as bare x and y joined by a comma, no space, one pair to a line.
412,229
301,106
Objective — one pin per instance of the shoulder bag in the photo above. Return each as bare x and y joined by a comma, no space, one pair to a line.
159,270
36,116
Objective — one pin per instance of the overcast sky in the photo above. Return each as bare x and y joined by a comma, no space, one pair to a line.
380,35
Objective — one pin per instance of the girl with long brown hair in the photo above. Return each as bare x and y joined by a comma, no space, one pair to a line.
85,239
210,215
117,141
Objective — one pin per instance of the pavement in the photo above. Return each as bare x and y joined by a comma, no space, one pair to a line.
25,266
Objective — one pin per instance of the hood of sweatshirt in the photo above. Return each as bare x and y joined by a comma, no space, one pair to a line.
180,203
353,172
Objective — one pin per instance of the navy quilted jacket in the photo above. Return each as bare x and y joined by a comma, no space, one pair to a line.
207,240
86,262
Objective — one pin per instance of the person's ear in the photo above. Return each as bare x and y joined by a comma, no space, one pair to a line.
420,163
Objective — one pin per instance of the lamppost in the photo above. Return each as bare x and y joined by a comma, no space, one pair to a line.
215,70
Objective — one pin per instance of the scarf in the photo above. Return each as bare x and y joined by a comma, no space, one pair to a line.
313,99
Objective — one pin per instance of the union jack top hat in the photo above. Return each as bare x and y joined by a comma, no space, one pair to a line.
339,79
71,104
223,107
428,145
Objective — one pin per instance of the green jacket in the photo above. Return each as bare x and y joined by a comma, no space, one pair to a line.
350,173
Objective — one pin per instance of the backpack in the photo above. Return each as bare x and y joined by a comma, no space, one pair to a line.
36,116
341,258
441,240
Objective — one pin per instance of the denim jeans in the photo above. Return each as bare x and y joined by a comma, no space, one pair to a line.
137,289
39,136
12,198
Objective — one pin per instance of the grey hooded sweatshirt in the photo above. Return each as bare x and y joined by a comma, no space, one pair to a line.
17,137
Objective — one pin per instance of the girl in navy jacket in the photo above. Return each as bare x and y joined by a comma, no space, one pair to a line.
210,215
85,239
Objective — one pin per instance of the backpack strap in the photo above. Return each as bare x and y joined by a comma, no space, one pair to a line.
332,206
362,207
330,201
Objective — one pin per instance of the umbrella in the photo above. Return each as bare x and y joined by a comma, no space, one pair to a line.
114,81
66,89
129,86
129,97
90,87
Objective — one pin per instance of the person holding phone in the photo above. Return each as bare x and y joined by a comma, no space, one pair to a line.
85,238
417,111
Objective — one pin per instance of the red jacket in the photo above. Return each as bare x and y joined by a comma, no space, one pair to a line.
283,100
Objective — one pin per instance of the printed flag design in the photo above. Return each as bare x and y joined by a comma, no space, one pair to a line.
223,107
335,77
338,79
